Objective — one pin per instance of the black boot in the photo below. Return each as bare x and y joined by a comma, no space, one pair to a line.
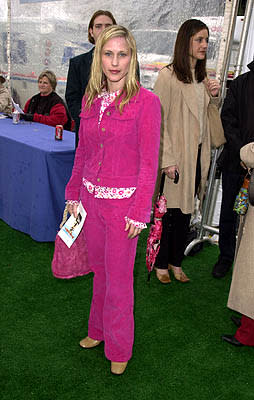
232,340
236,320
221,268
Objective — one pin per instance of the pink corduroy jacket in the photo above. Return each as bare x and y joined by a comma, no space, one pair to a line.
121,152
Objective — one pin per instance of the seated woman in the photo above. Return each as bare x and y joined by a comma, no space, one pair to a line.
47,107
5,98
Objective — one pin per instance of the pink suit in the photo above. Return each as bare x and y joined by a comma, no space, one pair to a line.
121,151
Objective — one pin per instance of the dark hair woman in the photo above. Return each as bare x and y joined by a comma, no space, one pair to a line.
185,93
183,59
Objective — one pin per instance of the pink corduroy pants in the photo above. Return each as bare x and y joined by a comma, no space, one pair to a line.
111,256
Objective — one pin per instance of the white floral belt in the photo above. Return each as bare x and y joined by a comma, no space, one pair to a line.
104,192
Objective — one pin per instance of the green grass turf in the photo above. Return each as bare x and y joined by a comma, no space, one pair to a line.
178,352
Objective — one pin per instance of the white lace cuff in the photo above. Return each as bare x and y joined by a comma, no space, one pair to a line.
72,202
137,224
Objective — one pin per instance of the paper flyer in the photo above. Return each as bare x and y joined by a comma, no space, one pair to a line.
17,107
72,227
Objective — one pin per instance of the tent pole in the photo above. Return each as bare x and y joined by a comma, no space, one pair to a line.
231,9
9,45
243,40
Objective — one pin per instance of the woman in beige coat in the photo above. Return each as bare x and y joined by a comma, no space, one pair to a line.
241,295
185,93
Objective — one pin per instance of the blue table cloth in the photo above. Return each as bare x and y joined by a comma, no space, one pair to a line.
34,170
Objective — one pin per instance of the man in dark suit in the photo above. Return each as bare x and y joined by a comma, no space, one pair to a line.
79,66
238,123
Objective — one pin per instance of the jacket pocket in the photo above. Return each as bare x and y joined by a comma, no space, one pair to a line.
123,124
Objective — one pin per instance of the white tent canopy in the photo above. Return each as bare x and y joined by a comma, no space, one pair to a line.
45,34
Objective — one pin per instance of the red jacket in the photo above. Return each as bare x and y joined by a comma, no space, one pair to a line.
57,115
120,152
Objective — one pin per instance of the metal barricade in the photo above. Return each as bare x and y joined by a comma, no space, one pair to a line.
207,211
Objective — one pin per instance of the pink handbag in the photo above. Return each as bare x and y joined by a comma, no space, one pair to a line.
70,262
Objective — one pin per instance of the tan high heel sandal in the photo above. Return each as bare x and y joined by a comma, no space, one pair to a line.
118,368
179,276
89,343
163,278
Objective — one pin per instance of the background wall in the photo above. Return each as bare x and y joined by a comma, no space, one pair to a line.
45,34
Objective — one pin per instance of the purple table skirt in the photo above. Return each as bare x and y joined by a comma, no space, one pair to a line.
34,170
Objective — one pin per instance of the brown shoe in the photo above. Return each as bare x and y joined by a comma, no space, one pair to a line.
162,276
88,343
180,276
118,368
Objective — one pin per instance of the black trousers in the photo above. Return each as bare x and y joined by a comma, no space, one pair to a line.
175,227
76,134
231,184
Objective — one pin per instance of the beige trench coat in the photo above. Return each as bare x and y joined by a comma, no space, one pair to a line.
180,133
241,295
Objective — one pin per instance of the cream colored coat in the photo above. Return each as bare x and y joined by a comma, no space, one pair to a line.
180,132
241,295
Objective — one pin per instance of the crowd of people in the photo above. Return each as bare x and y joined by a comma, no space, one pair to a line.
126,137
118,117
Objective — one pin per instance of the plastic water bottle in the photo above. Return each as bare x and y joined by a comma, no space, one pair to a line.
15,117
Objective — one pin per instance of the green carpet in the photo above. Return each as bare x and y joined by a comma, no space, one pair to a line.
178,351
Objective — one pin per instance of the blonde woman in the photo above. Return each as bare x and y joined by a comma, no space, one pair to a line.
114,176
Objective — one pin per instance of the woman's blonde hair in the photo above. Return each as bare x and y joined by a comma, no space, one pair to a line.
98,80
51,77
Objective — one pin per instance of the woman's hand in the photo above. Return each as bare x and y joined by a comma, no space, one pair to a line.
213,86
243,165
73,209
170,171
27,117
133,230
